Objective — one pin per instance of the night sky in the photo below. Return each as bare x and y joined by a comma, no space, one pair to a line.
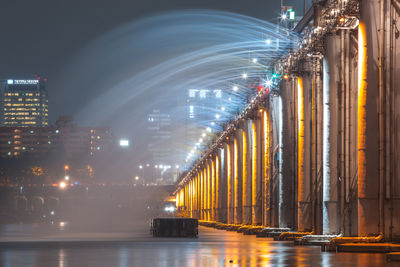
41,37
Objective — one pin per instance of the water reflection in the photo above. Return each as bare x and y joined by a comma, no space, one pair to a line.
212,248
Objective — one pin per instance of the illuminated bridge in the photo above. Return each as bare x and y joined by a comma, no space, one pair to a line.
320,152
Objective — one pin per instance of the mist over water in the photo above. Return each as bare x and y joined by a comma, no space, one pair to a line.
151,64
119,79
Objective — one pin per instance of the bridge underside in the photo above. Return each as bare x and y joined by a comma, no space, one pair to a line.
323,154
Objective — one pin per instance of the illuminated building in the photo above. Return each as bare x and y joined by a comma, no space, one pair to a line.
159,128
203,107
65,139
24,102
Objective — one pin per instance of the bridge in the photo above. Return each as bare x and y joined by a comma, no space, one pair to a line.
320,151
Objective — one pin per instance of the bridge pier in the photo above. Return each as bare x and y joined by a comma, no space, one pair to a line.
230,187
257,155
304,204
331,132
247,151
369,180
238,175
288,157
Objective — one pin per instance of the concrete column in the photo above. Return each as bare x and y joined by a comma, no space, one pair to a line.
229,177
256,184
331,133
213,189
195,197
208,195
201,193
247,171
288,156
187,200
238,175
222,187
266,162
191,199
275,188
304,154
198,178
392,212
368,120
217,192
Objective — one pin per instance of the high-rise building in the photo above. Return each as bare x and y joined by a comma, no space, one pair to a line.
159,127
66,139
204,107
24,102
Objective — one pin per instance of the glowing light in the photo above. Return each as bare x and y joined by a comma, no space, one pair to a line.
284,16
285,76
260,88
66,167
123,143
268,41
268,83
62,185
212,123
341,20
235,88
244,75
169,209
66,177
203,134
254,60
209,129
176,166
140,166
217,116
136,178
200,140
223,108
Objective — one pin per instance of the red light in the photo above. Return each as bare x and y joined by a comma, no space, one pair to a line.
260,88
267,90
45,79
38,77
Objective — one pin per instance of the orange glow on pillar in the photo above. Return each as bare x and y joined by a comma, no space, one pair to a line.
254,165
300,103
362,101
